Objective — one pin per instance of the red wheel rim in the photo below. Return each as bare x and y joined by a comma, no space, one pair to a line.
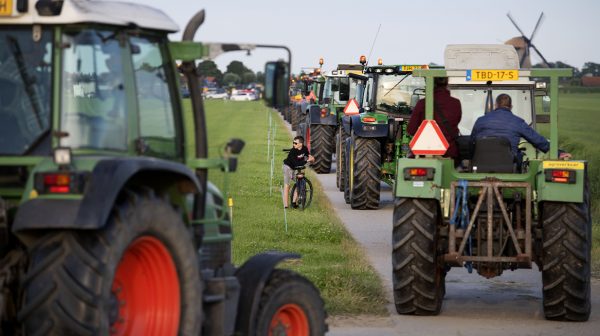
289,320
146,286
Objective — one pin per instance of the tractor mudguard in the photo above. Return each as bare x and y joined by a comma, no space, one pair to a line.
368,130
315,117
106,182
253,276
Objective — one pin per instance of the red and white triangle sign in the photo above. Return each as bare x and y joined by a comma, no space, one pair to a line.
351,107
429,140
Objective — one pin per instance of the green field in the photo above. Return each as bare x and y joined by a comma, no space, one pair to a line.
330,258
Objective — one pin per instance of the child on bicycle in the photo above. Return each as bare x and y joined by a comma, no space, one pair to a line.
298,156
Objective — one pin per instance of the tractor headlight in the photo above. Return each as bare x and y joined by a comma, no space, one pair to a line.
62,156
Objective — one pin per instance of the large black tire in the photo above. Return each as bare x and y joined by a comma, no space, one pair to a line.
290,305
340,154
418,275
566,259
76,284
322,146
365,185
347,159
296,117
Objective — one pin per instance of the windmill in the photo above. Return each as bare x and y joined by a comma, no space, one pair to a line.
523,44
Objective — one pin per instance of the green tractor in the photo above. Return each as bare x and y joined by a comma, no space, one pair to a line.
376,134
492,213
321,122
108,224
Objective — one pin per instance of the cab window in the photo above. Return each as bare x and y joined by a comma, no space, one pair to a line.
157,124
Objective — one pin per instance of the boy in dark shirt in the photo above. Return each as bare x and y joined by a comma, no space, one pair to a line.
298,156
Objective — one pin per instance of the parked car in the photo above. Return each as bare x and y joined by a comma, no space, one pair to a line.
216,94
243,95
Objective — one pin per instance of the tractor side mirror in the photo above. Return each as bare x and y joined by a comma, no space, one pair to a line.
234,146
414,99
277,84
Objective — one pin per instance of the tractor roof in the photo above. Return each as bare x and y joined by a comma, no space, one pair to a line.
481,56
85,11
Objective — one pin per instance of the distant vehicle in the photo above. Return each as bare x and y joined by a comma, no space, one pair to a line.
243,95
216,94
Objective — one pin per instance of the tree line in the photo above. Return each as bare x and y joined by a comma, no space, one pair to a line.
235,74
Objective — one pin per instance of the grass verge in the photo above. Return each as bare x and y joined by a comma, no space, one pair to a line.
331,259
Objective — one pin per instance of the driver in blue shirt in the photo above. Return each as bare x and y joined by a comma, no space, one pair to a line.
501,122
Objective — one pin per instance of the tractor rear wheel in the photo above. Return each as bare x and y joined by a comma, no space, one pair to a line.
347,159
296,117
290,305
340,156
136,276
365,173
566,259
322,145
418,275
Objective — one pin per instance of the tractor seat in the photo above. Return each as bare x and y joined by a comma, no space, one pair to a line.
493,155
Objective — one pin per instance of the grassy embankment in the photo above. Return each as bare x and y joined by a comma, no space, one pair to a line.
330,257
579,134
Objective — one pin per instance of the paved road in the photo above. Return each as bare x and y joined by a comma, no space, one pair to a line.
509,305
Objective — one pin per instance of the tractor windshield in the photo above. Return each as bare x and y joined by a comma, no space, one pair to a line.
25,91
393,92
93,103
476,101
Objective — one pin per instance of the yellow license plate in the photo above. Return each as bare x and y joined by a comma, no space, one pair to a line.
413,67
563,165
492,75
6,7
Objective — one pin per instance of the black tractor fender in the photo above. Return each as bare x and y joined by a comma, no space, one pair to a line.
107,180
368,130
253,276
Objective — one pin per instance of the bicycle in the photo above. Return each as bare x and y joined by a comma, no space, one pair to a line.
303,187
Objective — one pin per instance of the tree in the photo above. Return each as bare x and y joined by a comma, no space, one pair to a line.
260,77
209,69
248,77
591,68
231,79
237,68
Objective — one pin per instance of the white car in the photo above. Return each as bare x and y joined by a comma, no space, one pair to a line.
241,96
216,95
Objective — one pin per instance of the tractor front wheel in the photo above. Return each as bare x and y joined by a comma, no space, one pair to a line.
290,305
566,259
136,276
418,275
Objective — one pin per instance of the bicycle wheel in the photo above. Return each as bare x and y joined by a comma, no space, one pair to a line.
305,193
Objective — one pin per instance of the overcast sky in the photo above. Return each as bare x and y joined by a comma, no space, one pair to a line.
411,31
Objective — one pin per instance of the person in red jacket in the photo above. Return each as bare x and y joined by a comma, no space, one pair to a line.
447,112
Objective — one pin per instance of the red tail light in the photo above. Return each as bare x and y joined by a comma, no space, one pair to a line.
419,174
324,112
57,183
369,119
561,176
61,182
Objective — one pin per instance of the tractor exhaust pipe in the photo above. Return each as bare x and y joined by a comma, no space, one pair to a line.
191,73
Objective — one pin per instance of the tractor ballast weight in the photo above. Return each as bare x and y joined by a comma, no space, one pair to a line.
104,192
477,217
